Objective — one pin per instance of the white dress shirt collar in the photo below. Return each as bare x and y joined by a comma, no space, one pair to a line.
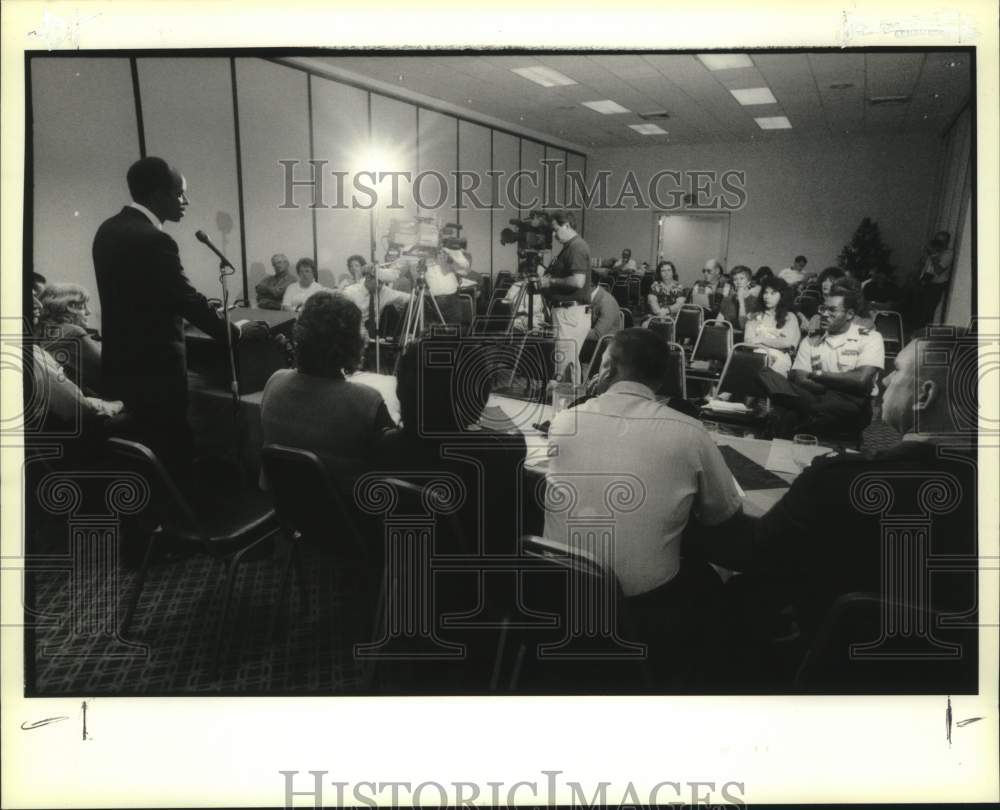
154,220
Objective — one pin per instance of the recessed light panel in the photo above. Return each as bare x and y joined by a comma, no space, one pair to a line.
545,76
725,61
754,95
607,107
648,129
774,122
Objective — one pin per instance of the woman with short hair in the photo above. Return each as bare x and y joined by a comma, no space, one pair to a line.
62,328
297,294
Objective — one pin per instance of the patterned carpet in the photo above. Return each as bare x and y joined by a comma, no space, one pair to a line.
169,648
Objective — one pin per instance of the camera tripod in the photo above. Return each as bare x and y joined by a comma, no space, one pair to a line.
413,326
527,289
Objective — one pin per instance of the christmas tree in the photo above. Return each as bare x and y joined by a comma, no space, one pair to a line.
866,252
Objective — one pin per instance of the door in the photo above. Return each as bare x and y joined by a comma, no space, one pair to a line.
689,240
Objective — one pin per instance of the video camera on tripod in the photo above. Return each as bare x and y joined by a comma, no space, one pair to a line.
533,237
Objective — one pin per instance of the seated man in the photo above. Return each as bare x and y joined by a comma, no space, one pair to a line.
827,535
703,291
833,375
361,290
796,273
271,289
605,318
654,469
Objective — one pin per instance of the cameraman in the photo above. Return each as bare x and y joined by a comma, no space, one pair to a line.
566,286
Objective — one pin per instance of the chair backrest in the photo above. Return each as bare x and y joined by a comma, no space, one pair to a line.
468,309
626,319
307,500
166,499
605,284
701,297
495,321
634,288
715,342
595,359
663,325
890,326
419,499
739,376
620,292
675,383
687,327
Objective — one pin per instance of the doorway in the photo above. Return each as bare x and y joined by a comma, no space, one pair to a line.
689,240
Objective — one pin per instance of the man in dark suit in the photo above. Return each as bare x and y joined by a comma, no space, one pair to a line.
145,298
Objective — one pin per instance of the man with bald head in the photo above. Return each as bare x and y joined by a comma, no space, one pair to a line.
145,299
271,289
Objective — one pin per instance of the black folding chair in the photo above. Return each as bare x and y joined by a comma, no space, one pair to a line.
711,350
625,318
228,531
595,359
739,375
687,326
662,325
675,382
634,287
890,326
589,643
620,292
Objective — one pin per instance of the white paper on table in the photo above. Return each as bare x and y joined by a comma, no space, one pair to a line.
782,455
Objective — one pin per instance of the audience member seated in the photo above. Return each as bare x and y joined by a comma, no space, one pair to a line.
809,305
819,541
355,264
313,406
703,291
440,406
666,295
828,388
62,328
66,410
271,289
773,327
625,265
297,294
605,318
360,289
734,301
795,274
763,274
656,469
881,292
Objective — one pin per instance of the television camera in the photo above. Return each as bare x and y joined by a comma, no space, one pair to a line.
532,235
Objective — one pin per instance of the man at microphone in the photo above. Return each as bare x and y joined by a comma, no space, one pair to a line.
145,298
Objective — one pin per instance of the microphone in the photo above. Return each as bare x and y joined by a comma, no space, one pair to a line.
202,237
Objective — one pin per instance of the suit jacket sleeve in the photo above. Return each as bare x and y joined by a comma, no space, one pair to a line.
178,293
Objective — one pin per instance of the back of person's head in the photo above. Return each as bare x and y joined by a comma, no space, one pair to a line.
60,303
763,273
443,385
850,291
832,273
147,176
562,217
639,355
328,338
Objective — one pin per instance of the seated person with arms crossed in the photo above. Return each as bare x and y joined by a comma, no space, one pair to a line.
668,472
297,294
271,289
313,406
62,328
833,375
773,327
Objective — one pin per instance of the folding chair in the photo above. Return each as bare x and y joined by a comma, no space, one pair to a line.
233,527
739,375
625,318
634,288
595,359
890,326
620,292
662,325
713,347
687,326
576,590
675,382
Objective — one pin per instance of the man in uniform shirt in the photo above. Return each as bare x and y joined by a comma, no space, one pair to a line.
833,375
271,289
566,286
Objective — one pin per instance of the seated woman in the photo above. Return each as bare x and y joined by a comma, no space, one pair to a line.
313,406
666,295
62,329
297,294
773,327
440,406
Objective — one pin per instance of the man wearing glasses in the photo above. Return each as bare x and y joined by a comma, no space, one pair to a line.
828,388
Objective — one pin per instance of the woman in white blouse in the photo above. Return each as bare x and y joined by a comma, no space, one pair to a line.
773,326
297,294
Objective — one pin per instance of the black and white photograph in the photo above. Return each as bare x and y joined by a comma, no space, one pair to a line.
537,385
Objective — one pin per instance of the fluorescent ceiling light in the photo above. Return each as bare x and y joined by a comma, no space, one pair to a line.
608,107
725,61
774,122
648,129
545,76
754,95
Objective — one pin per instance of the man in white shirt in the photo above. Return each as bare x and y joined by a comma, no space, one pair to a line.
627,474
793,275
